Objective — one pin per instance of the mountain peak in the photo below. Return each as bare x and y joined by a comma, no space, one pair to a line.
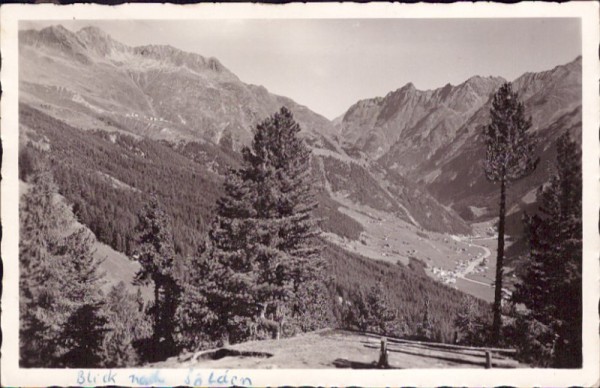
57,29
402,91
408,86
98,41
93,31
94,35
481,86
478,79
215,65
56,34
558,77
575,62
56,37
475,79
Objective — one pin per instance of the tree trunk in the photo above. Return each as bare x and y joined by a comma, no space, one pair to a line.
497,323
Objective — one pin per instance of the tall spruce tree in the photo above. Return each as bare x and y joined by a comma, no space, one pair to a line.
426,326
371,311
43,309
83,334
61,323
229,272
154,251
128,325
473,326
510,156
198,313
313,304
278,165
263,247
552,288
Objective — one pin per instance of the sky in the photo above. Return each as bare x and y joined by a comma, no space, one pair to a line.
329,64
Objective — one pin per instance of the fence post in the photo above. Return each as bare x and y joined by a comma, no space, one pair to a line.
383,356
488,359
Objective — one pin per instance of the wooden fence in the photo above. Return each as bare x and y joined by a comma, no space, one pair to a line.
477,356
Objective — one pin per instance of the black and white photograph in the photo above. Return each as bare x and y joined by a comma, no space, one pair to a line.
341,193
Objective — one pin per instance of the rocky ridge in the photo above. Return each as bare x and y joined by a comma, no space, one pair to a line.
433,137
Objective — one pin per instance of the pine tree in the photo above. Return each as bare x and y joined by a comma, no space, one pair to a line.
552,288
381,316
371,311
229,273
425,327
83,269
278,165
198,324
472,325
59,284
83,333
128,325
509,157
154,252
82,336
27,164
262,249
313,303
359,312
42,307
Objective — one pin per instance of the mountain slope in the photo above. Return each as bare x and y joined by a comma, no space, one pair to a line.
354,184
414,122
114,266
106,177
156,91
434,138
455,175
90,81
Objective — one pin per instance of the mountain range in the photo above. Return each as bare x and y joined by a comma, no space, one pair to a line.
433,137
415,155
92,82
155,91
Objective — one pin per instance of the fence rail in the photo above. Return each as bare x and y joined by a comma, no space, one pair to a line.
451,346
482,356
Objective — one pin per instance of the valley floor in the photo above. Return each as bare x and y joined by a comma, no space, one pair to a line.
466,263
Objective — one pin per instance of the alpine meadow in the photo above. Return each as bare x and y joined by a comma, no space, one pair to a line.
174,215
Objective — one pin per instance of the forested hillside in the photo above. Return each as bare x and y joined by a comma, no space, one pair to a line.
106,177
404,288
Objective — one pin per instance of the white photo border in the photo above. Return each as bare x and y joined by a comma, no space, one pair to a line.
587,12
